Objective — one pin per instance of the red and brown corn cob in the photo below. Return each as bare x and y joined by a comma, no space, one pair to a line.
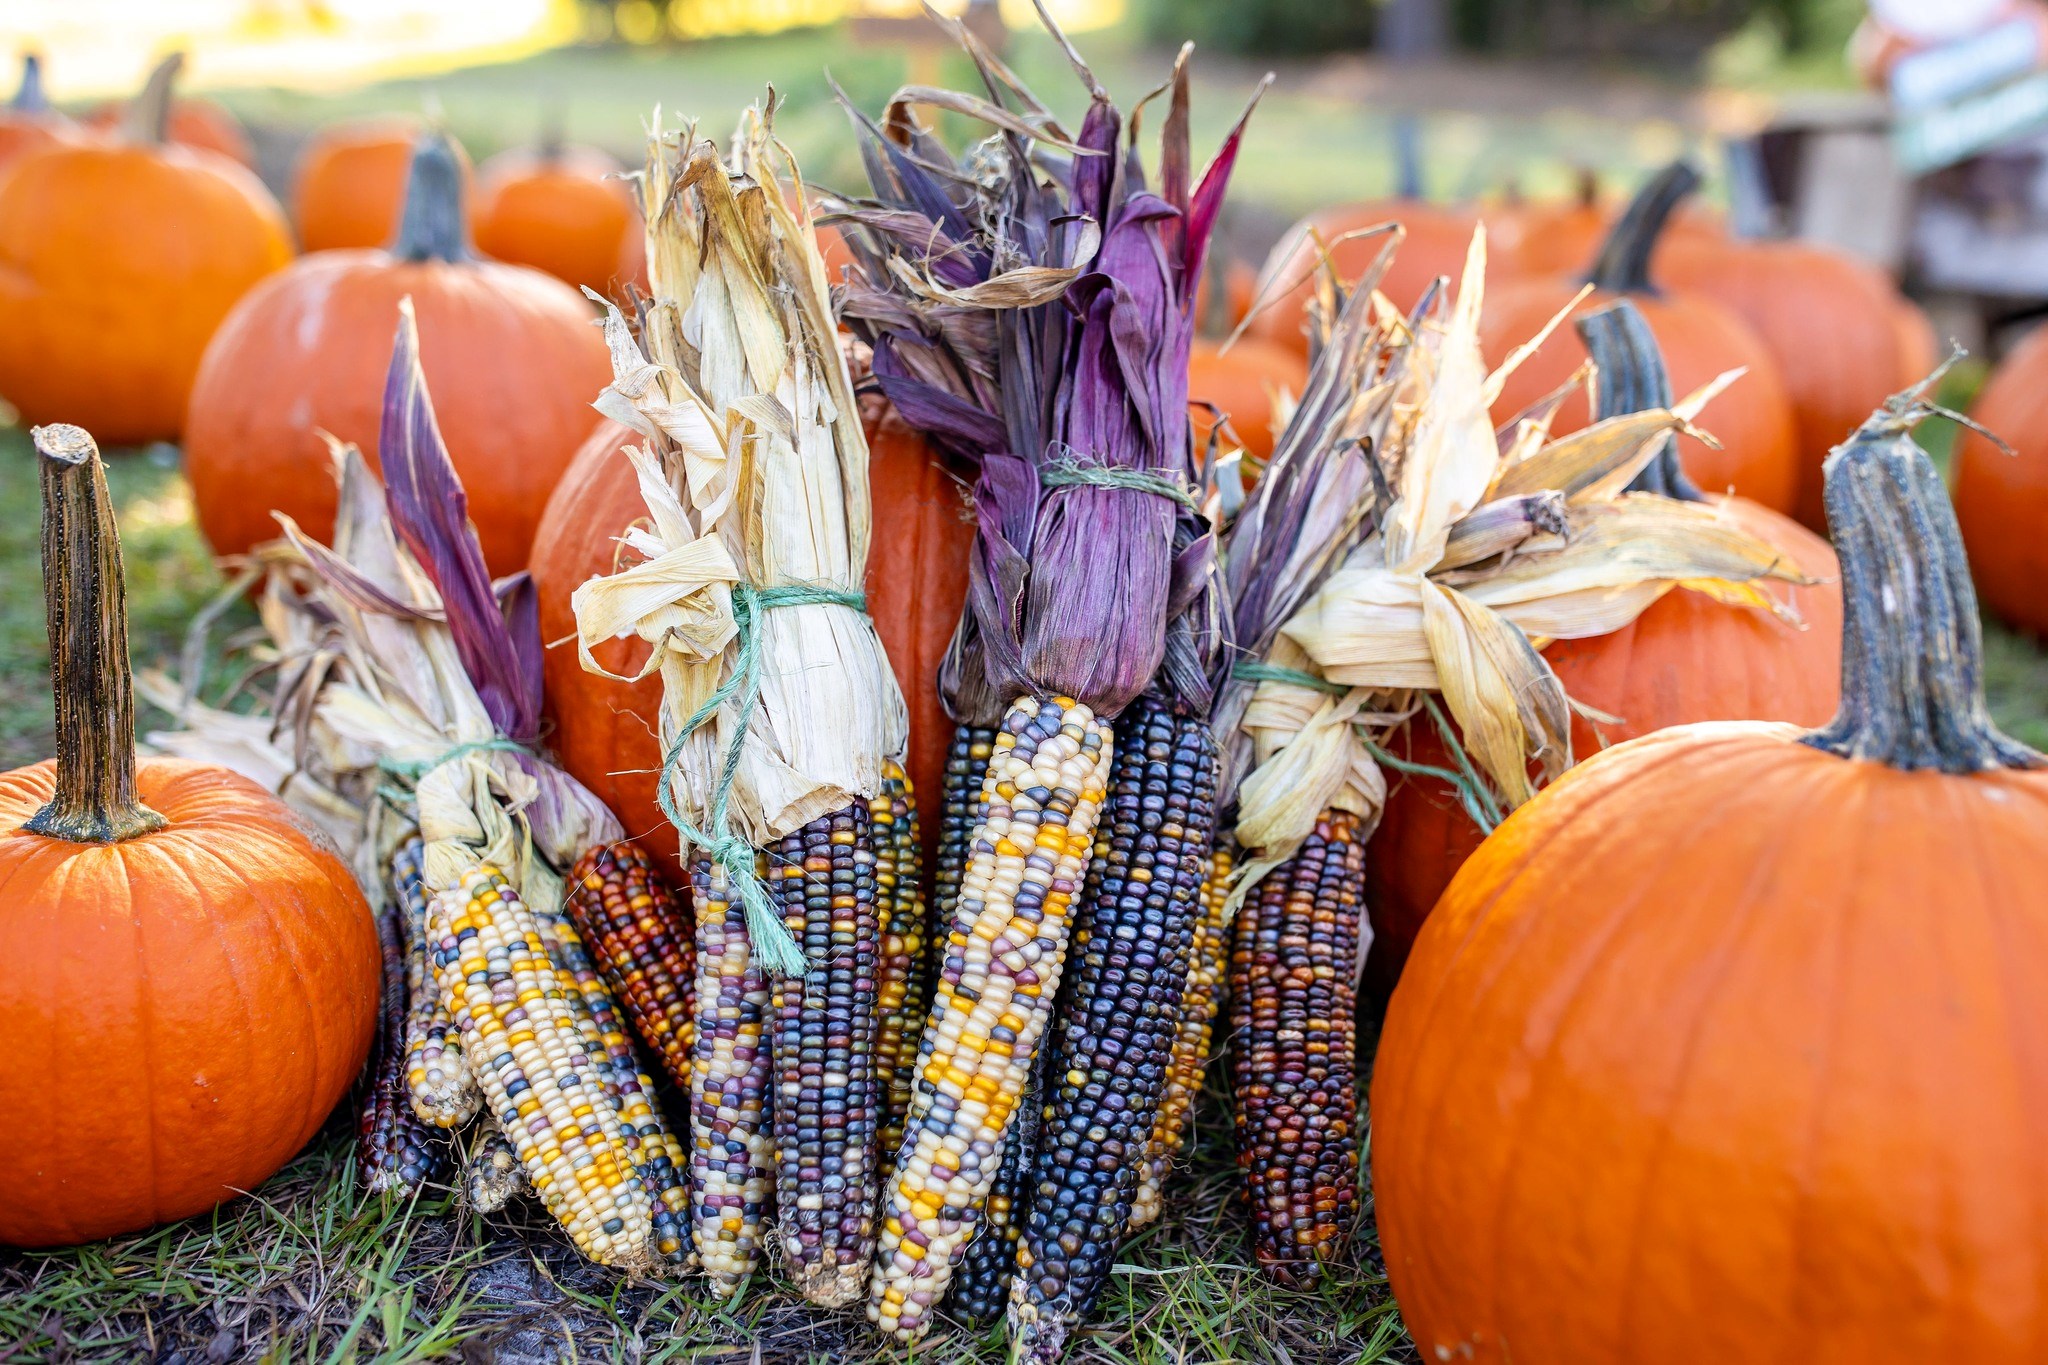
828,1099
397,1151
905,971
438,1079
732,1150
1293,961
1208,963
641,939
1119,1016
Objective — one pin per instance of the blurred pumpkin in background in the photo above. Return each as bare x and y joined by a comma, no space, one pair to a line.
27,122
348,189
191,121
2002,499
564,210
510,352
1242,383
118,258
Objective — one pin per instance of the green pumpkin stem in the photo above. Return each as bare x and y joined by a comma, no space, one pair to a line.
1912,647
87,609
1632,378
1623,266
30,99
147,119
433,227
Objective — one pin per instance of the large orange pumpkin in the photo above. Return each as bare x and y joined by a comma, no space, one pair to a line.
563,210
1545,237
604,731
1241,383
348,189
2001,499
118,259
188,975
28,123
1688,658
1701,339
1833,324
1728,1047
191,121
511,354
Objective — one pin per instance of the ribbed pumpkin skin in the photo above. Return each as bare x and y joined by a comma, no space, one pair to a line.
1686,659
349,186
1242,382
2002,500
604,731
569,216
117,263
181,1010
1726,1049
1437,241
1830,321
510,357
195,122
1700,339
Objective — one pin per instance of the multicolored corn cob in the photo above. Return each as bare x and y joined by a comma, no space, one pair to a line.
827,1115
640,936
1293,962
732,1152
1118,1020
981,1282
541,1082
443,1091
905,973
492,1175
1208,963
397,1151
1040,800
644,1133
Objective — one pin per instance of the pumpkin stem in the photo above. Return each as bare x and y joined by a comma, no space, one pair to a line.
87,609
30,99
147,119
554,136
1408,158
1912,648
1632,378
433,227
1623,266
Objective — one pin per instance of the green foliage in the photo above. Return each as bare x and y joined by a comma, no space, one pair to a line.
1262,26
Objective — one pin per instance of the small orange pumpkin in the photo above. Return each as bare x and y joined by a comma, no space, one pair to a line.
2002,499
28,123
349,187
1241,383
564,210
1727,1047
511,354
191,121
118,259
188,974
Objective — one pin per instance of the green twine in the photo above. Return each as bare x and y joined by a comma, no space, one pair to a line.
773,946
1252,670
417,768
1068,471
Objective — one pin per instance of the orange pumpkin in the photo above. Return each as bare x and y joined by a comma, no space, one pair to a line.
1919,346
1727,1046
28,123
1224,294
1542,238
1701,339
604,731
1687,658
1241,383
192,121
349,187
2001,499
511,354
563,210
188,975
1435,242
118,259
1831,322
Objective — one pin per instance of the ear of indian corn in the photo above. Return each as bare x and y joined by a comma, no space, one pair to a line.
1208,961
443,1091
959,812
732,1150
1040,799
397,1150
540,1081
1293,962
827,1107
492,1175
640,937
1119,1015
905,970
981,1282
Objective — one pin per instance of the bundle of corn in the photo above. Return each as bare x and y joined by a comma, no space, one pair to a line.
1039,323
409,694
1490,543
781,721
